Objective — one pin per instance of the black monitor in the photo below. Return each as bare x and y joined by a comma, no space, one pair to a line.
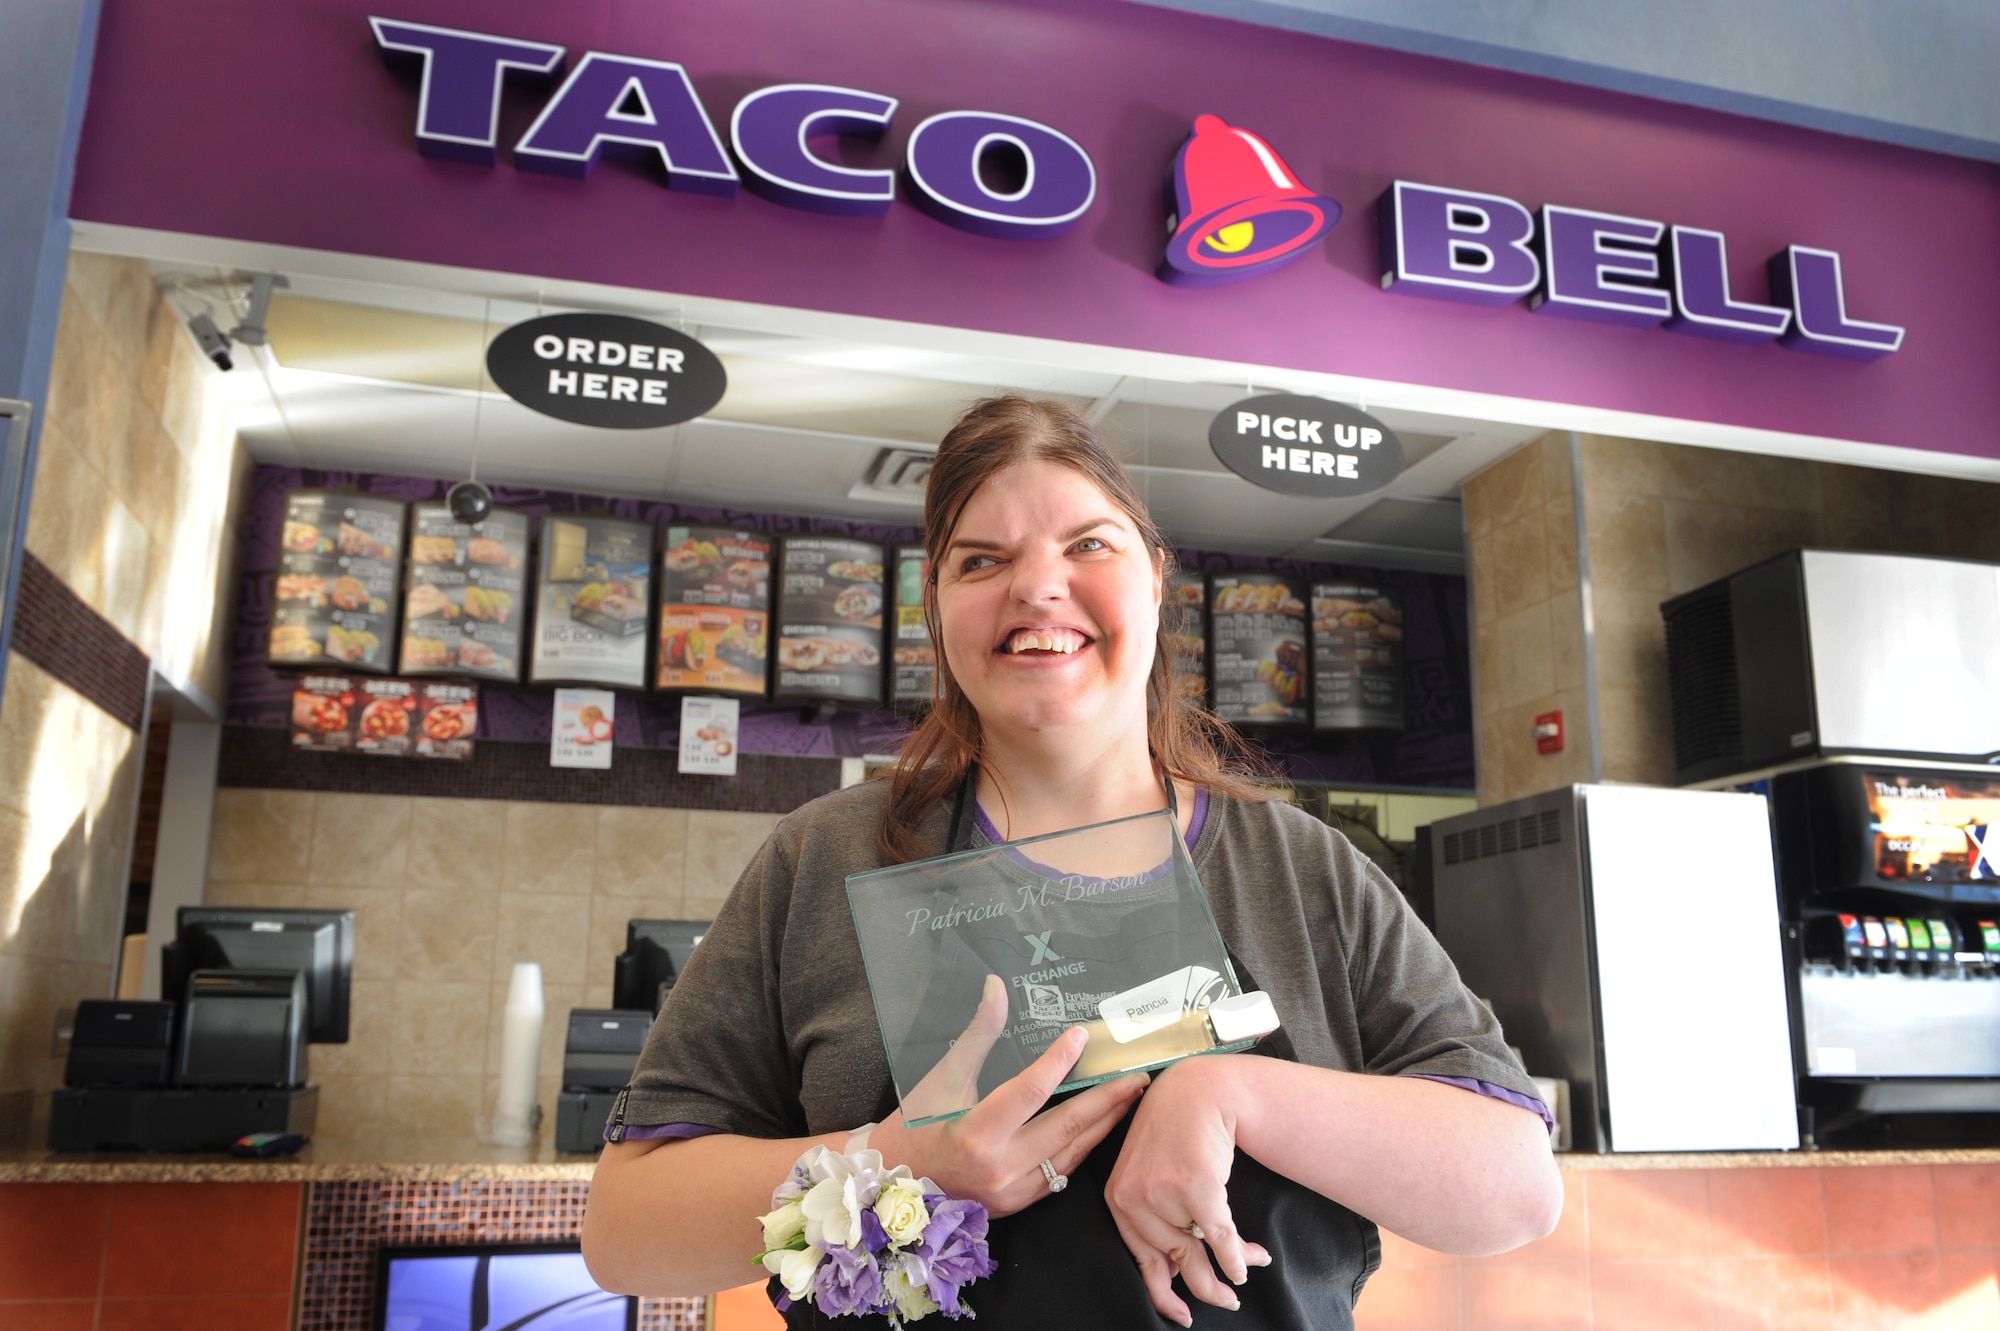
318,944
655,953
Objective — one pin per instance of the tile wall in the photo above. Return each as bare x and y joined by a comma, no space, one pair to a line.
1661,519
1787,1249
148,1256
1527,619
448,894
135,484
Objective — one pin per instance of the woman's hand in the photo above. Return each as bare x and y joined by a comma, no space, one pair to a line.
993,1153
1171,1179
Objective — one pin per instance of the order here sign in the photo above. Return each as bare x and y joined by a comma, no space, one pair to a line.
1306,446
607,370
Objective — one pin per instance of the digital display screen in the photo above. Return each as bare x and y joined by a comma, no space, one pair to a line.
1935,828
461,1289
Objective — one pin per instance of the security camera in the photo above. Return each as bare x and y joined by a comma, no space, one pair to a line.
213,341
469,502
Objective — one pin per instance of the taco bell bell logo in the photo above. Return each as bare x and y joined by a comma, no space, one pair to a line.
1239,210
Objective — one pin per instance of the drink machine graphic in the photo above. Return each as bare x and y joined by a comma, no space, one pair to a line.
1891,905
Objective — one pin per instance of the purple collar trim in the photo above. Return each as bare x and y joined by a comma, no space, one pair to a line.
1194,822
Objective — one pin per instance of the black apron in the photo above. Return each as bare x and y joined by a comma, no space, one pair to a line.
1062,1262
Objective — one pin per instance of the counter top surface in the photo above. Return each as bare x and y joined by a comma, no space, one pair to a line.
326,1162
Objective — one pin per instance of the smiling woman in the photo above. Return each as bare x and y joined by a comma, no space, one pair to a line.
1388,1097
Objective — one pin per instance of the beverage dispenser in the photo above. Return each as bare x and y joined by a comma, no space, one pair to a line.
1890,888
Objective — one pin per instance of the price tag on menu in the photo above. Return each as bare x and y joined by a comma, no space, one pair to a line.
708,736
581,733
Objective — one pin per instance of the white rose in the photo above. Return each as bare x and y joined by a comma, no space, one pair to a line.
833,1214
902,1212
905,1283
783,1225
795,1268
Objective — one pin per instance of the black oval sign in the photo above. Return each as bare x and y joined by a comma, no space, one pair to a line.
1306,446
607,370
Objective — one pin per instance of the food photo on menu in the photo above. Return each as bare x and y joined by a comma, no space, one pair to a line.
464,609
386,717
715,610
335,599
592,602
1190,640
1357,657
913,661
1258,648
830,620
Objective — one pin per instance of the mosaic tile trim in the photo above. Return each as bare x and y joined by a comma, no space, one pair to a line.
348,1223
57,630
259,759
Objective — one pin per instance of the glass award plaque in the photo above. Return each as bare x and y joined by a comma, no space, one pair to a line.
977,961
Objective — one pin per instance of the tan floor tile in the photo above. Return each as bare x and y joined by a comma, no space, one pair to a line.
360,841
1628,541
447,934
1522,663
261,836
439,1029
1511,487
553,932
550,849
231,893
641,854
421,1110
452,843
1519,563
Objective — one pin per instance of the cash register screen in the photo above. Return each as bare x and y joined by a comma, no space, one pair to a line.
544,1287
1934,827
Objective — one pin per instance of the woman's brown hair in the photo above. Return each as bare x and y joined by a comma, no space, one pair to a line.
1188,743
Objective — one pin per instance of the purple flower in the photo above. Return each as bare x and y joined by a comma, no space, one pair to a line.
955,1246
848,1281
873,1236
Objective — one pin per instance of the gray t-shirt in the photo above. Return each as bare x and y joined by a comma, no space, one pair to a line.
770,1032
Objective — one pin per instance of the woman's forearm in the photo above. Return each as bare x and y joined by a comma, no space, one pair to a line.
680,1217
1454,1171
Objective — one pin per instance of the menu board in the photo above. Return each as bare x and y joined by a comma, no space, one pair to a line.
715,610
339,566
394,717
1189,594
1357,657
830,620
1257,642
913,671
464,603
592,602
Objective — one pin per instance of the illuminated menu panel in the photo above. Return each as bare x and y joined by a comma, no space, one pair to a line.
1934,828
339,581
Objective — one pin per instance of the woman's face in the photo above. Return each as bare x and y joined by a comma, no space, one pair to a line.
1049,604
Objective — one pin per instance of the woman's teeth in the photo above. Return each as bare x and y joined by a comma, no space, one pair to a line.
1062,641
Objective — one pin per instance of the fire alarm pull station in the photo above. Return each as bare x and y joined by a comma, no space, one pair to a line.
1549,732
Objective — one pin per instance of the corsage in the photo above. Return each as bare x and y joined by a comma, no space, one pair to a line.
849,1236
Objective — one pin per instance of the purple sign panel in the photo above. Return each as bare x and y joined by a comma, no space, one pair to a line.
1063,122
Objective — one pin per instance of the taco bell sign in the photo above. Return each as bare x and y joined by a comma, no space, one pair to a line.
1238,208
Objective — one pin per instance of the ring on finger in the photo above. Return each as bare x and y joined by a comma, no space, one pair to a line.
1057,1182
1192,1228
